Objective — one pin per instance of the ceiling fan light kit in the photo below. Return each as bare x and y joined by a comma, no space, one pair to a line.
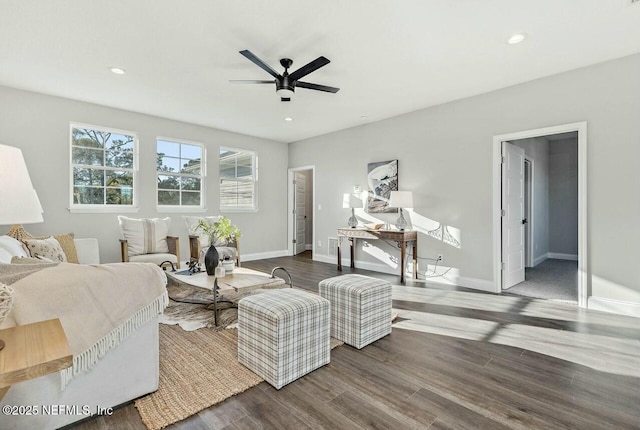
286,83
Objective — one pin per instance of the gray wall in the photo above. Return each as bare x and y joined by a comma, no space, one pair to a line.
563,196
445,158
538,150
39,125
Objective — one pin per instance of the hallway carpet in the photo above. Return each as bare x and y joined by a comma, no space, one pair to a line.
552,279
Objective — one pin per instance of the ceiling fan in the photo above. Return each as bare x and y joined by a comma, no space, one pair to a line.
286,83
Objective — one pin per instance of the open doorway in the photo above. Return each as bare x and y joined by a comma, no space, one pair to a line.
550,218
540,229
301,225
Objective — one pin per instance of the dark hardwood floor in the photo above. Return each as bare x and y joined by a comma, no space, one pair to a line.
415,378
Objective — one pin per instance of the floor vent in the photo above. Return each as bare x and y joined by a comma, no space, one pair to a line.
332,244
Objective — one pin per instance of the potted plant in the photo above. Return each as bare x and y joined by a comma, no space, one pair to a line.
220,233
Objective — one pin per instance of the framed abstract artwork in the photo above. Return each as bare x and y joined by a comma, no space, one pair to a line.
382,178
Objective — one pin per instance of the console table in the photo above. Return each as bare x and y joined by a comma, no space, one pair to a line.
402,239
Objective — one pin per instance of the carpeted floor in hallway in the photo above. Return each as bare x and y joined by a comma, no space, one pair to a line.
552,279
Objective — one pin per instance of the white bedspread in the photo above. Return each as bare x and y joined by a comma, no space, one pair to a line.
98,305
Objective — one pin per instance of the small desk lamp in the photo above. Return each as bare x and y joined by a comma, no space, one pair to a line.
18,199
401,199
352,201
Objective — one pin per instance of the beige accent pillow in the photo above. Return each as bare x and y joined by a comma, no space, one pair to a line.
48,248
144,235
67,244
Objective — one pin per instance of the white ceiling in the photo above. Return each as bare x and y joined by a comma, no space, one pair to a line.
388,57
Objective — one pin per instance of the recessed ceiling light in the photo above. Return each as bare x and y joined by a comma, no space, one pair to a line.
363,117
288,118
517,38
118,70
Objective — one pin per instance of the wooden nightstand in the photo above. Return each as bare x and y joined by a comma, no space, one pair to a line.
31,351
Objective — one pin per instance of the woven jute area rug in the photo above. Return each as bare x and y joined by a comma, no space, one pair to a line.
198,369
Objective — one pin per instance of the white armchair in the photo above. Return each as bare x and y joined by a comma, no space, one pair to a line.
147,241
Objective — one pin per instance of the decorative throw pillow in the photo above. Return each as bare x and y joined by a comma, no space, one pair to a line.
6,301
48,248
13,246
33,260
5,257
192,227
145,236
67,244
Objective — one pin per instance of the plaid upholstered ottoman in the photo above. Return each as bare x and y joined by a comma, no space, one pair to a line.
360,308
283,334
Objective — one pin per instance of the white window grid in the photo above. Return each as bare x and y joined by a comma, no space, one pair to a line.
201,176
104,207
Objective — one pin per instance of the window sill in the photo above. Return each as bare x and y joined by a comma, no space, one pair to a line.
181,209
103,209
236,210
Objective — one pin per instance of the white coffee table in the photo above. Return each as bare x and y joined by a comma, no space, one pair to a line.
241,282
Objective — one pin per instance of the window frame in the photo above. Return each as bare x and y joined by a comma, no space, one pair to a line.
203,176
104,208
254,158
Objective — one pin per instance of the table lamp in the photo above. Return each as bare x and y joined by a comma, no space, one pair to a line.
401,199
352,201
19,202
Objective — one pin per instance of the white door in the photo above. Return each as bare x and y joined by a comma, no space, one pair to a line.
300,216
513,214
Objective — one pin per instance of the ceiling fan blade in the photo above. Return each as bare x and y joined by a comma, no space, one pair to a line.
241,81
305,70
259,63
285,99
318,87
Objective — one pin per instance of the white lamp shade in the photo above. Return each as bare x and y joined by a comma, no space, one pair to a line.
18,199
352,200
401,199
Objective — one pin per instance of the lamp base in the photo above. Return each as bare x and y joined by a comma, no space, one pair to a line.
401,223
353,221
18,232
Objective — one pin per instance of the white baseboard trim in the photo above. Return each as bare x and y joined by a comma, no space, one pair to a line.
308,247
473,283
263,255
365,265
325,258
558,256
540,259
477,284
604,304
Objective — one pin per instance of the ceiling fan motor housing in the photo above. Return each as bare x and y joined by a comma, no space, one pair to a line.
285,84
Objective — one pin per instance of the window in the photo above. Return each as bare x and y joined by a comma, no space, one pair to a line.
103,167
238,179
180,173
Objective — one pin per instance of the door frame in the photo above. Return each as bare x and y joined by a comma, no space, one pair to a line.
581,128
529,213
290,220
